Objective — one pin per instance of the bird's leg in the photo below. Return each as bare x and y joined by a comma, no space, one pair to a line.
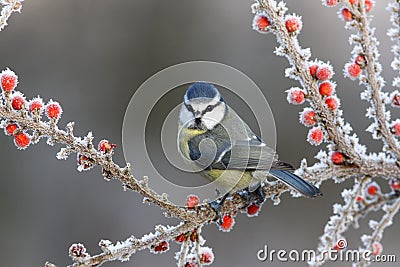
216,205
257,196
260,196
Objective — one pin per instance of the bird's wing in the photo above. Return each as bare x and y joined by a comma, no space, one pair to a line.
246,155
240,155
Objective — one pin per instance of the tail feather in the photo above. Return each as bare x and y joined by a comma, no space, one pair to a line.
296,182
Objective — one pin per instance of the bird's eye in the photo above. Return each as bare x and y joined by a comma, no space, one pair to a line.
190,108
209,108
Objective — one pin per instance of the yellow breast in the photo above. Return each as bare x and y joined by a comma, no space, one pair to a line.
185,134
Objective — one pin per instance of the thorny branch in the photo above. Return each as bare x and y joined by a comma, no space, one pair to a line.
343,148
298,58
346,158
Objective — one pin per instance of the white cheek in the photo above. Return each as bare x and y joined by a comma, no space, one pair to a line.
211,119
185,117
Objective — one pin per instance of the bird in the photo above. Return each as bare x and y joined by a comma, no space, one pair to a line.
213,138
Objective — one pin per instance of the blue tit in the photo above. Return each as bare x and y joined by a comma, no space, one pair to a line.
216,140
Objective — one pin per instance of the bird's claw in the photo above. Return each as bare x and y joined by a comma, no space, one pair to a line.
249,197
216,205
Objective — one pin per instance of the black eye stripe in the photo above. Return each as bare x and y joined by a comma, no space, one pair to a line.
189,107
210,108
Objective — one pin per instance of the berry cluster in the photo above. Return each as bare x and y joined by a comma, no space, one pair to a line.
31,111
160,248
322,73
206,255
373,193
227,221
262,24
17,102
345,12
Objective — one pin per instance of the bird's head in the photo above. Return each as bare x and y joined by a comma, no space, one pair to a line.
203,107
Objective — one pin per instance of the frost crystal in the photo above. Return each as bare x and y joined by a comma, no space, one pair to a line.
63,153
373,224
291,73
366,239
282,9
396,82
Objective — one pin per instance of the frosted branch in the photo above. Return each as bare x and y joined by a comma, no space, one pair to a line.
9,7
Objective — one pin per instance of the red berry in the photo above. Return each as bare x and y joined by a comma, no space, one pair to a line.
332,102
307,117
192,201
296,96
77,251
190,264
181,238
315,136
261,23
337,158
395,128
11,128
313,70
376,248
206,256
331,2
18,102
353,2
162,247
36,105
227,223
252,210
395,184
8,80
368,5
395,99
105,146
359,198
194,235
22,140
53,110
361,61
326,88
293,23
353,70
347,15
84,163
324,73
372,189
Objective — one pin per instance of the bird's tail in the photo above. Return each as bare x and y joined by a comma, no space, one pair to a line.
296,182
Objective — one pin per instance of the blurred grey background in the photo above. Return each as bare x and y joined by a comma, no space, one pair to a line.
91,56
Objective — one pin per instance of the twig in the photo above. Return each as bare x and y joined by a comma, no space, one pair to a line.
299,62
379,228
10,6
